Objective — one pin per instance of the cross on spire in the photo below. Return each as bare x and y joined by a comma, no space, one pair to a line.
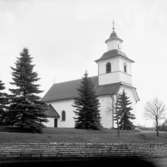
113,25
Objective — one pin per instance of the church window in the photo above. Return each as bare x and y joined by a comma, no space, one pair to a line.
125,68
108,67
63,115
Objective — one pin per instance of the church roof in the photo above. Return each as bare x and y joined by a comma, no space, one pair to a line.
68,90
113,36
51,112
114,53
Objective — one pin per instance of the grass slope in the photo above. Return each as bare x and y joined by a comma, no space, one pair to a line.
76,135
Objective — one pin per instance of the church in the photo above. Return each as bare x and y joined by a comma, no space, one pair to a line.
114,76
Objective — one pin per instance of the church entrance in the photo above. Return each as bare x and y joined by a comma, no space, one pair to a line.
55,123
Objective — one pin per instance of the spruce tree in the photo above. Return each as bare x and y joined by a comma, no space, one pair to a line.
26,110
123,116
87,106
3,104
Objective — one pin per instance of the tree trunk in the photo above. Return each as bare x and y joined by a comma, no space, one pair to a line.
118,130
157,128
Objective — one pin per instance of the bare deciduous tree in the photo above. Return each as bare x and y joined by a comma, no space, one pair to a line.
155,110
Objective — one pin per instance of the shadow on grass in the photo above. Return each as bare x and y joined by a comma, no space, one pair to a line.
82,162
16,129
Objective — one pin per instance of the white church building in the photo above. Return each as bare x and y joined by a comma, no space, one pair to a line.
114,76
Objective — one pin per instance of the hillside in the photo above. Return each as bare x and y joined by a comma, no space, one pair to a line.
86,136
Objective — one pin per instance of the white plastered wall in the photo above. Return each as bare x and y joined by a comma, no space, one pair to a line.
114,78
123,61
114,65
114,44
117,73
65,105
106,112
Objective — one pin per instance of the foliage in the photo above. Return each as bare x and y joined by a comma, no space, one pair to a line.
26,109
155,110
162,127
87,106
3,104
122,115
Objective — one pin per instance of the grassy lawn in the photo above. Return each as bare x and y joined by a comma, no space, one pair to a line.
73,135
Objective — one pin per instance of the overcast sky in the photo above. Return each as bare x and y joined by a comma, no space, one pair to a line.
66,36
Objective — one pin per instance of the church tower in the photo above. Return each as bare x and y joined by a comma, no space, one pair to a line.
114,66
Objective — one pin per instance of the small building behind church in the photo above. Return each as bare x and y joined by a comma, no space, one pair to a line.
114,76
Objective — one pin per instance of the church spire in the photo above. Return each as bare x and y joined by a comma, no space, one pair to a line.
113,42
113,35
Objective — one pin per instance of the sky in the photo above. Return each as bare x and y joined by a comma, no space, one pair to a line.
65,37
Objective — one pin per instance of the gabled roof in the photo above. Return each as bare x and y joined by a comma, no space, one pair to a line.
51,112
113,53
69,90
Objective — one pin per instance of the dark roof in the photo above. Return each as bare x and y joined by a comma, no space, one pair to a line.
68,90
113,53
51,112
113,36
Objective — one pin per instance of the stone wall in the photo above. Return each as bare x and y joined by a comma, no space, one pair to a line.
57,150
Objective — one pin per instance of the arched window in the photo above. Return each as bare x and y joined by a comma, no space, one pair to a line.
108,67
63,115
125,68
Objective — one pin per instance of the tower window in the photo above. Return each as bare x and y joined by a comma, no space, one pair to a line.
63,115
125,68
108,67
